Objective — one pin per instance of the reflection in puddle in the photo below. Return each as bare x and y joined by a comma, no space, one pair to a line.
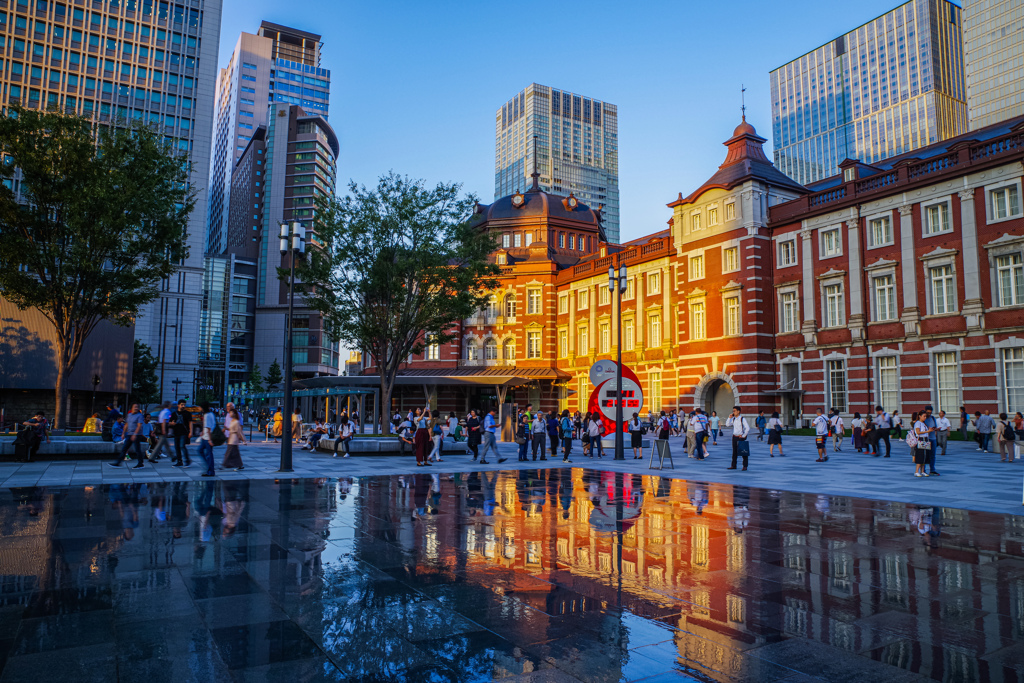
598,576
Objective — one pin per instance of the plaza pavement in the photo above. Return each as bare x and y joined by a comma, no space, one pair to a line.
969,479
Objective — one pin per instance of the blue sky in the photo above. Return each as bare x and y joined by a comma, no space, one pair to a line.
415,84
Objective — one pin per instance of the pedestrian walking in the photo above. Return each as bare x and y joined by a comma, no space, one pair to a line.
523,436
436,438
929,421
181,428
473,433
565,426
857,426
820,434
636,437
278,428
554,428
760,422
132,437
740,430
421,439
232,452
1005,438
538,435
490,437
838,430
296,425
774,428
943,427
701,433
206,438
163,433
664,426
716,429
965,420
985,426
897,425
882,424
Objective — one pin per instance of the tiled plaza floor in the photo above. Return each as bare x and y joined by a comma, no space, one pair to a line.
561,574
969,479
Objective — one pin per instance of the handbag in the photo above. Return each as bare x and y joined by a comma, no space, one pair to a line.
743,448
217,437
585,438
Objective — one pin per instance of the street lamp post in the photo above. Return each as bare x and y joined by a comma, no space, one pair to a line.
176,381
617,285
293,243
95,383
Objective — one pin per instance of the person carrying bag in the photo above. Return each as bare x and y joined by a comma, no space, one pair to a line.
740,430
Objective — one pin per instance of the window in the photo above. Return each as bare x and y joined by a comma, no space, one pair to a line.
1013,379
836,370
730,211
1010,279
517,240
732,315
563,303
698,321
472,350
830,245
528,238
943,290
510,305
572,241
654,283
433,351
937,219
583,299
730,259
888,383
947,375
789,312
627,335
712,216
490,350
500,259
491,311
533,306
506,240
834,305
880,231
582,387
630,289
697,267
885,298
654,333
582,343
603,296
508,349
606,338
695,222
655,378
563,343
787,253
561,240
1005,202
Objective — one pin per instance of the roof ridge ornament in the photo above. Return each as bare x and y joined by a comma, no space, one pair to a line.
536,174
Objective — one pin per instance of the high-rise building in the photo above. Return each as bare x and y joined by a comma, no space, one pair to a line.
278,64
994,60
577,143
147,60
887,87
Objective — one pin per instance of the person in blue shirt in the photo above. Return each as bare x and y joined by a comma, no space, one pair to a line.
566,425
929,421
553,431
490,437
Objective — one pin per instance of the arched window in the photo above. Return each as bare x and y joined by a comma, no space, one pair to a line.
490,350
510,305
509,349
492,307
472,350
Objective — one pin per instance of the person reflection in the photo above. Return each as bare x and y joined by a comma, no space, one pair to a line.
125,500
208,511
420,490
435,494
180,508
698,492
235,493
739,520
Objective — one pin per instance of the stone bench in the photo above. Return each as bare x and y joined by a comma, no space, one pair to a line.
384,445
84,446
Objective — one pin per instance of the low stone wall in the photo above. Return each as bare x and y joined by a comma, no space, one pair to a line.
388,445
84,446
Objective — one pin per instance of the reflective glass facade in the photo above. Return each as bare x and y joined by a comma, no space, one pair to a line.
890,86
577,148
994,59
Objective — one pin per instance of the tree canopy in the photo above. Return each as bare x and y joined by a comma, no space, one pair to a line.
92,218
274,376
145,384
394,268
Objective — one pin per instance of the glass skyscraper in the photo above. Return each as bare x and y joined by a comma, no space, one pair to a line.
577,148
994,58
885,88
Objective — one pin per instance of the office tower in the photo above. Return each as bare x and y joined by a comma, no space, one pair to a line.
994,60
278,64
885,88
147,60
577,148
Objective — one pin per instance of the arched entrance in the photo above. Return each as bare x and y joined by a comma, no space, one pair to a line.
718,396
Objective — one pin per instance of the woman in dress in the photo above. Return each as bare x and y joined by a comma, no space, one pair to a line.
421,439
636,437
774,428
473,435
278,428
920,454
232,455
858,432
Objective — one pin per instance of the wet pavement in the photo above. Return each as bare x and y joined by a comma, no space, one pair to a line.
528,575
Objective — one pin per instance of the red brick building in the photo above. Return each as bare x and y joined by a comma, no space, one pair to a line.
900,284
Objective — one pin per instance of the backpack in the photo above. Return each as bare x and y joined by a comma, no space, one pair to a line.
912,439
1008,434
665,423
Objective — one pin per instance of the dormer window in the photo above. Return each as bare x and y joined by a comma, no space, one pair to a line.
501,259
849,174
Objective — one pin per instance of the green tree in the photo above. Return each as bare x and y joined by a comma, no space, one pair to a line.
255,379
145,384
274,376
394,268
101,218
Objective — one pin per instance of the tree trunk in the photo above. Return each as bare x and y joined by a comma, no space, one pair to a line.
385,406
61,387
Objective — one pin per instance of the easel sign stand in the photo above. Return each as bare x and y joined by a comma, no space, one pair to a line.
660,446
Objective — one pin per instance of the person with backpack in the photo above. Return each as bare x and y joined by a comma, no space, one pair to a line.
664,426
760,422
565,425
838,430
636,437
774,427
1005,438
882,426
740,430
821,428
181,429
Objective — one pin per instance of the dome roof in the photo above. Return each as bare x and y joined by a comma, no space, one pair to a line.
537,203
744,129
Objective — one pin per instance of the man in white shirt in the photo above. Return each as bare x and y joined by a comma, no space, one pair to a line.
740,429
942,435
838,430
820,434
699,423
163,433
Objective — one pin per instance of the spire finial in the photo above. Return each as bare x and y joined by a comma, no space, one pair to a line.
536,174
743,101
